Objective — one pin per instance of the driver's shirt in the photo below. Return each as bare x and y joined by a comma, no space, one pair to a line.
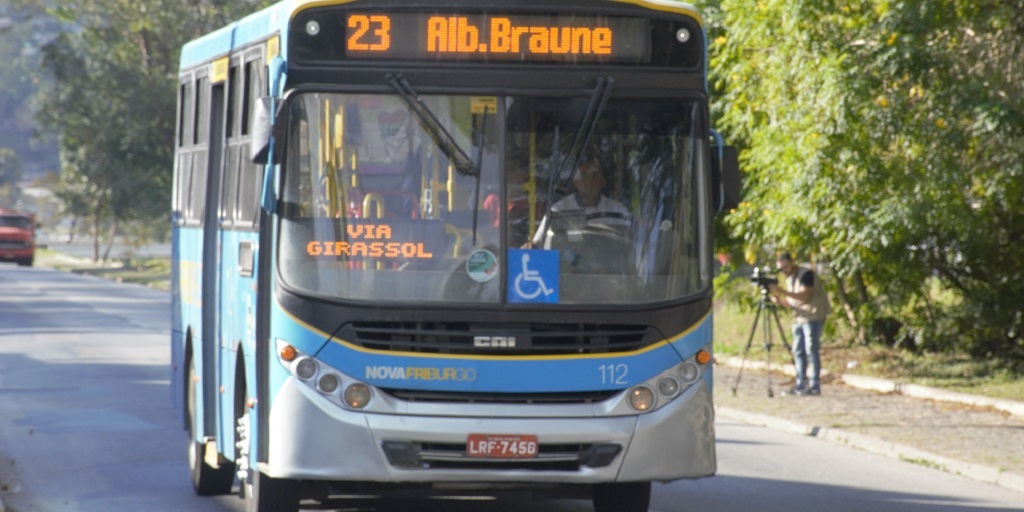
619,214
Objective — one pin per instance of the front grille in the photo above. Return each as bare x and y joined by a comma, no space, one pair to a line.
586,397
550,457
13,245
498,340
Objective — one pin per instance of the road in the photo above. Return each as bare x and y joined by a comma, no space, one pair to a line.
86,425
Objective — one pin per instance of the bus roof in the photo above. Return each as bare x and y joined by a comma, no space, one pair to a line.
256,26
274,19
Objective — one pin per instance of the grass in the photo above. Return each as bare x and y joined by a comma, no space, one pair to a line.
152,272
960,373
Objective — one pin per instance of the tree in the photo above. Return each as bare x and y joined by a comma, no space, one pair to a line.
113,100
10,175
22,31
886,140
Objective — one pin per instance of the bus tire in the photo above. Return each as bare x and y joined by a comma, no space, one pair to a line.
621,497
266,494
260,492
206,479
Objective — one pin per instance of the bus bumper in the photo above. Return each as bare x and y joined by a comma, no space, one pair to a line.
314,439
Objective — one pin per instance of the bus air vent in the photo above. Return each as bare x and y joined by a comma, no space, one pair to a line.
498,340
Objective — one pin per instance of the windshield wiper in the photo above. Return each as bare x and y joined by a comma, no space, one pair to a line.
479,163
598,100
441,137
602,91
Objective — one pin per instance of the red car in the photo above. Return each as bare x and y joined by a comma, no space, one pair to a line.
17,237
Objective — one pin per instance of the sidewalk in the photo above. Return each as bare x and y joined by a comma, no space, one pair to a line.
977,441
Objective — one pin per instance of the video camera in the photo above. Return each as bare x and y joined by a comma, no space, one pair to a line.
764,277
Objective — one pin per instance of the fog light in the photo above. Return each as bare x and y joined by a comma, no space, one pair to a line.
668,386
689,372
357,395
329,383
305,368
641,398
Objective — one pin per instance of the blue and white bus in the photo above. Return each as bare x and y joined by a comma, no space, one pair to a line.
388,272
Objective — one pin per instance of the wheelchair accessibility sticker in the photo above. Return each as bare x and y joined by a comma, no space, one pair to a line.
532,276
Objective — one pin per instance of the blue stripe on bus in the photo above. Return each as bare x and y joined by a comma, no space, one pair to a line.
527,374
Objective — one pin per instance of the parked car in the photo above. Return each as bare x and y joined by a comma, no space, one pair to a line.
17,237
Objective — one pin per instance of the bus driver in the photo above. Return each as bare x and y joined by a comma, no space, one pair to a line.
598,208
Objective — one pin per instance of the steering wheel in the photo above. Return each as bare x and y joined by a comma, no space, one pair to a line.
612,232
596,249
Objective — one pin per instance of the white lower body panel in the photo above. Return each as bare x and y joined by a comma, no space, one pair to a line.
314,439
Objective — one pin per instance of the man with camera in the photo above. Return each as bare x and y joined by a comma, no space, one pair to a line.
803,293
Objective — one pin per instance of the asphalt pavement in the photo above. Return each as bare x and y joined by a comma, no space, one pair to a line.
973,436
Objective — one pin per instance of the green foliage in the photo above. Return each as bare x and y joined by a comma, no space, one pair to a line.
10,174
10,167
885,139
23,29
113,100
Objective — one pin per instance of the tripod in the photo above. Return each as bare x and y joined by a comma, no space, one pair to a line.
770,310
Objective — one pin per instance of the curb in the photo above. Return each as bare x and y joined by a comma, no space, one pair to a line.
785,369
916,391
1006,479
887,386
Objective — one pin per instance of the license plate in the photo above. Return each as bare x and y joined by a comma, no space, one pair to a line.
502,446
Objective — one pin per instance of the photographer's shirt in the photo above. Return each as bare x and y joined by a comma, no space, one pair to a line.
816,308
806,279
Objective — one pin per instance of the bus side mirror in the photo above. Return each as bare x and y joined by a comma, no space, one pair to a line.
725,171
262,130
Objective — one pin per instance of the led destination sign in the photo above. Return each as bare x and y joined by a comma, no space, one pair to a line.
490,37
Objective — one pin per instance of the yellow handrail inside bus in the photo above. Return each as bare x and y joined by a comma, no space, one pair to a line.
452,230
369,202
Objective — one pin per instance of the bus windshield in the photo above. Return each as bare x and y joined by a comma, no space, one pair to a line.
373,208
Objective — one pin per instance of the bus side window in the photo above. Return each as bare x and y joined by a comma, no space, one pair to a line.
183,171
247,210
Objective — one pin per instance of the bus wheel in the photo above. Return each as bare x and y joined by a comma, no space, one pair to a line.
622,497
206,479
261,492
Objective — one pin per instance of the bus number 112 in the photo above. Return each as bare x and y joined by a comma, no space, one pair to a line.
613,373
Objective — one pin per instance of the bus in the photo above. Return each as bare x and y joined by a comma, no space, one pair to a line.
17,237
463,248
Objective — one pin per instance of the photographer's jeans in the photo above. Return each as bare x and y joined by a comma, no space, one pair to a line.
806,345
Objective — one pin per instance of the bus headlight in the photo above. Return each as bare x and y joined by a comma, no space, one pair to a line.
357,395
662,389
689,372
668,386
305,368
641,398
328,383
